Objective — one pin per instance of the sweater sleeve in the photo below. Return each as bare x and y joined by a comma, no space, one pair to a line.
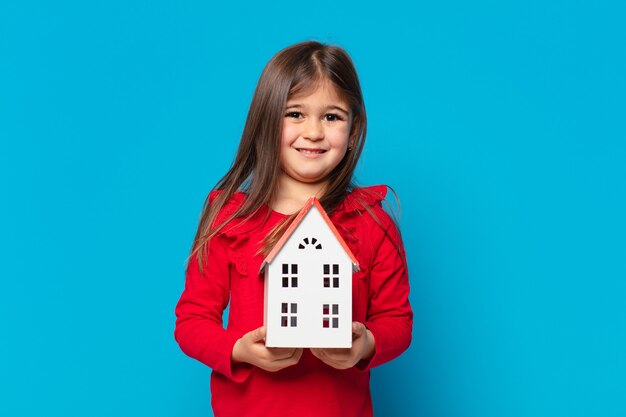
389,316
199,329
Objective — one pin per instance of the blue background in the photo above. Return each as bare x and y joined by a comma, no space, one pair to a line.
499,123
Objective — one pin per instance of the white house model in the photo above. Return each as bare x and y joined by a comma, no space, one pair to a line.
308,284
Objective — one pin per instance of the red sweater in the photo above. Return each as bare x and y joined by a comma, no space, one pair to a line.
231,274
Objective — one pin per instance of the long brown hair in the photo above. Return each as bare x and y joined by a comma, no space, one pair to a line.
255,169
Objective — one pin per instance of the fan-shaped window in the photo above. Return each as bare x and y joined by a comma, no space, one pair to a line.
309,242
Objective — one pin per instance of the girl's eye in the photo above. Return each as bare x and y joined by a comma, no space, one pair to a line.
332,117
293,114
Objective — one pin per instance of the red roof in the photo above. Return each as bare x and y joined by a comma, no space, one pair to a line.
293,226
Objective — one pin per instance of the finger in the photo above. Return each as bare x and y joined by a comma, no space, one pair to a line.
321,355
334,363
318,353
278,364
338,352
281,353
298,354
329,359
295,355
335,354
257,335
358,329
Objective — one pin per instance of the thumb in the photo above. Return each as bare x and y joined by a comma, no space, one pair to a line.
357,329
258,334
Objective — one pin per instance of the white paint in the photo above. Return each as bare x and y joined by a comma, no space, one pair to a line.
310,295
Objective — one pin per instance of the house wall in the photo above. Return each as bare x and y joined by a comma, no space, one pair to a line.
310,294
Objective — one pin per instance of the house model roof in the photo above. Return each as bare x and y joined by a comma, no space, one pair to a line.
313,201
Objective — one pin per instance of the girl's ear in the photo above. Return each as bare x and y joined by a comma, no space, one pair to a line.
353,132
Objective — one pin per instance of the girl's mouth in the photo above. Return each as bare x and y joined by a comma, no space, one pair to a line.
310,152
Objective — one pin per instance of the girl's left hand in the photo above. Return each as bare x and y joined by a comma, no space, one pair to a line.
363,347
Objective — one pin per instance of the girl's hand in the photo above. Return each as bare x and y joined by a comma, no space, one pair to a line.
251,349
363,347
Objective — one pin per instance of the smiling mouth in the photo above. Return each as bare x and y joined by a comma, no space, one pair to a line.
307,151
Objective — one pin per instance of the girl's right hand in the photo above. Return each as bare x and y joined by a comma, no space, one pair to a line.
251,349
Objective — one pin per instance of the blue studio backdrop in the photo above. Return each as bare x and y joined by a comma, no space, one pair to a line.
499,123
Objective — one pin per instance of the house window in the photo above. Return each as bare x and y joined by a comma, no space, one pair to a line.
330,314
327,275
309,241
289,315
290,278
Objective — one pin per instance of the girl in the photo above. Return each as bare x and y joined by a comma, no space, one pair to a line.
303,137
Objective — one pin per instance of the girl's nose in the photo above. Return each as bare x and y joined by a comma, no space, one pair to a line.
313,130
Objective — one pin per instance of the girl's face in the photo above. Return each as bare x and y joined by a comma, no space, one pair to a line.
315,134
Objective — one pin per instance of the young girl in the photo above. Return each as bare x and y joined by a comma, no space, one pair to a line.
303,137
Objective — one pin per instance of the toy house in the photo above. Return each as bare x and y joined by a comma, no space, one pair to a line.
308,284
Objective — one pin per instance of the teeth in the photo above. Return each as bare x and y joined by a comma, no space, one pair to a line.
310,151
